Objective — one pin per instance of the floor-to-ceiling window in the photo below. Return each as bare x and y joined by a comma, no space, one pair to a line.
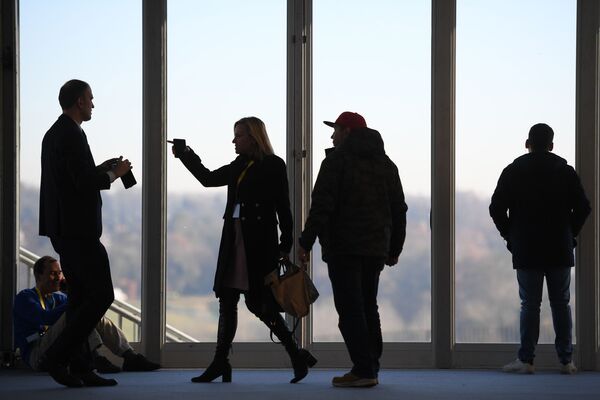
375,60
67,39
515,66
226,60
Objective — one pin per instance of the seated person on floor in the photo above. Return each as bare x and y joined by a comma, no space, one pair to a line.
39,317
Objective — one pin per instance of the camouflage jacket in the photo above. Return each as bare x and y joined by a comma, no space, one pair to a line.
358,205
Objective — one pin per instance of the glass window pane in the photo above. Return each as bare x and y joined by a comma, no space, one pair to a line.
376,61
222,66
512,71
66,39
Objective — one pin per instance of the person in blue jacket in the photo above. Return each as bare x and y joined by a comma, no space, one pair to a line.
37,310
39,317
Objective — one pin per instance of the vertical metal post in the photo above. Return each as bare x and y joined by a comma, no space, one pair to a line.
154,15
587,155
9,170
442,180
299,121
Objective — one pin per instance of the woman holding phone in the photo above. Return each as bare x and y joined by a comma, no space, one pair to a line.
257,202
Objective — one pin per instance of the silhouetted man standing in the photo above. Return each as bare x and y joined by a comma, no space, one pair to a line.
539,207
359,214
71,216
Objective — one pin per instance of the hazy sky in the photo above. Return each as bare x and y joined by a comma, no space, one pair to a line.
227,59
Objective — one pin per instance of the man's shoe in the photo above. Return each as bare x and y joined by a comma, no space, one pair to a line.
92,379
104,366
137,362
61,375
351,380
568,369
519,367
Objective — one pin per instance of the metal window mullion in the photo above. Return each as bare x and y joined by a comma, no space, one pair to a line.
307,132
298,125
154,16
443,177
9,169
587,155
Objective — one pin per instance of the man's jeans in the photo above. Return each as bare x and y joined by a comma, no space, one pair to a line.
530,291
355,280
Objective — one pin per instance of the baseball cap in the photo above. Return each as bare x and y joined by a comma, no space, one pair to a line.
348,119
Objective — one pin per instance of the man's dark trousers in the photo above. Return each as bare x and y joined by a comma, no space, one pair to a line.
355,280
531,283
86,268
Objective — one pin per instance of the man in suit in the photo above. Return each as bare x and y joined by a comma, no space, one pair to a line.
71,216
539,207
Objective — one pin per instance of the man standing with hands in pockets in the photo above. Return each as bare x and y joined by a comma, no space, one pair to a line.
539,207
71,216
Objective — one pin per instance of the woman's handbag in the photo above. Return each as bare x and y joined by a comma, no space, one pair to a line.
293,289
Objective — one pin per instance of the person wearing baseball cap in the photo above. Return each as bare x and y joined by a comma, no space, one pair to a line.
346,122
358,213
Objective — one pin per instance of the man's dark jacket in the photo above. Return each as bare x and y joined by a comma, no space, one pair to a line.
70,203
358,205
539,207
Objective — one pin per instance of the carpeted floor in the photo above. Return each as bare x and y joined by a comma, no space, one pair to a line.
273,384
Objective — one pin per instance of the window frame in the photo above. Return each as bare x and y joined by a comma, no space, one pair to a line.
442,352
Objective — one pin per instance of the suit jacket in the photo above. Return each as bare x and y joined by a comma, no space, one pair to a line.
539,207
263,196
70,202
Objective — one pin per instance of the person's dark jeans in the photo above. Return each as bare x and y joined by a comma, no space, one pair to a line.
355,280
85,265
530,291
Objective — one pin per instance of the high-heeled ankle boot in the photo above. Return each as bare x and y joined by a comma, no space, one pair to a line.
301,362
301,359
216,369
220,366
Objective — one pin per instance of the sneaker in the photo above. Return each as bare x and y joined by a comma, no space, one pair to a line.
519,367
351,380
568,369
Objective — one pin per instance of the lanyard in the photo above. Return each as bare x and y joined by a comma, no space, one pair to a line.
43,304
243,174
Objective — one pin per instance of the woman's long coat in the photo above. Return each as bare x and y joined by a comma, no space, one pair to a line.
263,195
